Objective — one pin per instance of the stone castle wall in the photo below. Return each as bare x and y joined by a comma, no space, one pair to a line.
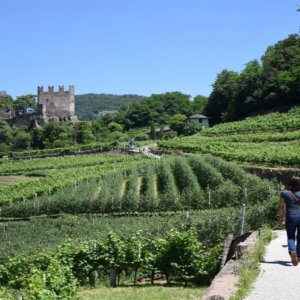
60,104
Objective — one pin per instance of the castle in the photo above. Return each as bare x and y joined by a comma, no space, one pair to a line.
59,106
52,106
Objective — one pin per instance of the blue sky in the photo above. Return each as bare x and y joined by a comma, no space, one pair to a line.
139,47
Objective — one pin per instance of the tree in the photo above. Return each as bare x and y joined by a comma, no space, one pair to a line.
199,104
223,94
24,104
153,132
99,130
158,109
6,135
113,127
22,140
5,100
114,256
176,103
83,133
190,129
54,135
178,122
281,71
181,255
249,94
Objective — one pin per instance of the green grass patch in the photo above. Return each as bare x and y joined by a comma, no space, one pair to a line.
250,267
143,293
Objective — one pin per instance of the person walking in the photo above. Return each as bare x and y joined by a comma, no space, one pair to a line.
290,200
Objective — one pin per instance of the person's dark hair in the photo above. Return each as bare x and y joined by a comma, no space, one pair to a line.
294,184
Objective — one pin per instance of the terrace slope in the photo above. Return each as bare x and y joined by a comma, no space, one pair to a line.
270,140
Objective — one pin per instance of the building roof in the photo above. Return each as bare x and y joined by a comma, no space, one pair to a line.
198,117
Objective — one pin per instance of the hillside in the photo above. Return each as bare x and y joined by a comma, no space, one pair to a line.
271,140
88,105
96,212
73,216
269,84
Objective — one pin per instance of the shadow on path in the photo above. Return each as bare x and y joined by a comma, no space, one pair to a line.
278,262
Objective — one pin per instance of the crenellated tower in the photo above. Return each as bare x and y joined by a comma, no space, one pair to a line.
56,104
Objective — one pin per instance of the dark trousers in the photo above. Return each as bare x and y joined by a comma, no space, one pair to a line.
293,233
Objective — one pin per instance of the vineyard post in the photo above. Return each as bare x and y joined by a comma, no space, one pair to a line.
187,221
139,250
245,194
44,279
262,215
242,218
270,190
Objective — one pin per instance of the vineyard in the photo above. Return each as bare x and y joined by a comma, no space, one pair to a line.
170,184
265,140
57,173
69,221
132,215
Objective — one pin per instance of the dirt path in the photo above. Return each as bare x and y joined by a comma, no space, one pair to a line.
278,279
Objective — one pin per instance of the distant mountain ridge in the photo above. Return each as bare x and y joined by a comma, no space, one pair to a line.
87,106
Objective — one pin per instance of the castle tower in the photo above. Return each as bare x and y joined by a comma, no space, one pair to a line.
60,104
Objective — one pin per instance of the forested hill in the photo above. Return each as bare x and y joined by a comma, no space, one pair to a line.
88,105
271,84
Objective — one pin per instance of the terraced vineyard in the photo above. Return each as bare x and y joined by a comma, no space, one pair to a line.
271,140
58,172
169,184
130,213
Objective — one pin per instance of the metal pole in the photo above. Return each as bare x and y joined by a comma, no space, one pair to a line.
242,218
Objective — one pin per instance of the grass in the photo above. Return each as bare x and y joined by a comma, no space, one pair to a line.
145,292
250,267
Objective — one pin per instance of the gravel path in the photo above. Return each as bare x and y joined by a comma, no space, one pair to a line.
278,279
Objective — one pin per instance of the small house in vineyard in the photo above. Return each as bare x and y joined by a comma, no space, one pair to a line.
198,119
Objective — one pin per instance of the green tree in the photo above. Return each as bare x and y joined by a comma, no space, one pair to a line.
83,133
250,89
153,132
37,142
114,256
281,69
190,129
178,122
6,101
24,103
6,135
113,127
182,256
99,130
54,135
157,108
223,94
199,104
139,256
176,103
21,140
